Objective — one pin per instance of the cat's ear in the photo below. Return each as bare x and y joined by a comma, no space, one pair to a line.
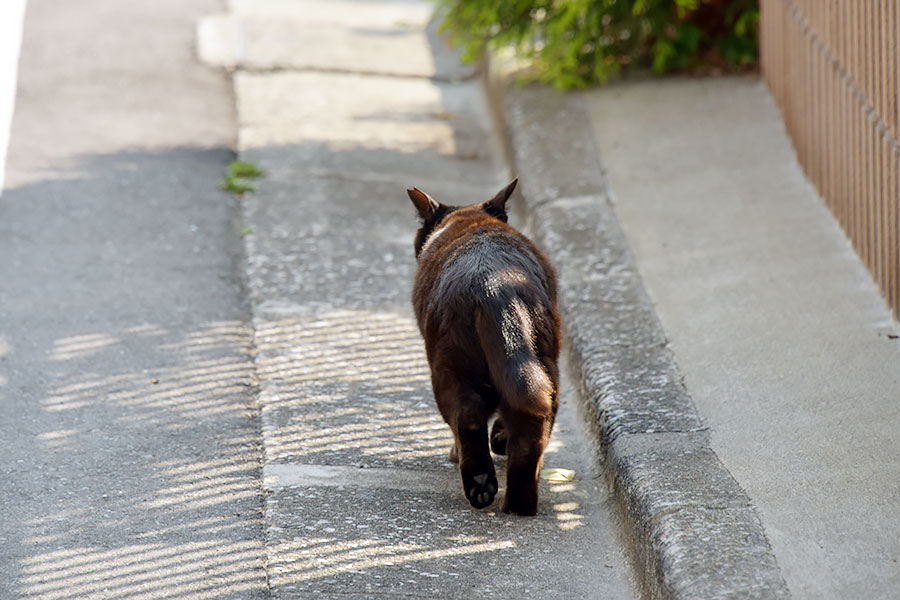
496,206
425,204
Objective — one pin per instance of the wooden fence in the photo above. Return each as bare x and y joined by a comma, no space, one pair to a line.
834,69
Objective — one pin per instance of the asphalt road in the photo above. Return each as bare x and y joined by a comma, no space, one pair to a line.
130,463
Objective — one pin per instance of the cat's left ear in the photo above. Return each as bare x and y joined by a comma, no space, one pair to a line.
496,206
425,205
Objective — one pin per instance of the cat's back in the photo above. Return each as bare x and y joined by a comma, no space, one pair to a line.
474,260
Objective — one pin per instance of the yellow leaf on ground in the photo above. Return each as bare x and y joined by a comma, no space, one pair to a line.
558,475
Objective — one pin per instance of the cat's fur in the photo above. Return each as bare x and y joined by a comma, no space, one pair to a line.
485,301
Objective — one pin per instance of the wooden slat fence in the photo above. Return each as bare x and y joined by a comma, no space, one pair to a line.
834,69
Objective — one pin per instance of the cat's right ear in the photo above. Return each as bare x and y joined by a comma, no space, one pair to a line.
496,206
425,204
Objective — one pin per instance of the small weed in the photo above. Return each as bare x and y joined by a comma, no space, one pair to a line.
240,176
237,185
245,231
245,169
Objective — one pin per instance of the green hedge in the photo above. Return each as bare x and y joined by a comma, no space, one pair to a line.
576,43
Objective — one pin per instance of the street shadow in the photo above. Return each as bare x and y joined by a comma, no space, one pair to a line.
131,465
149,478
363,386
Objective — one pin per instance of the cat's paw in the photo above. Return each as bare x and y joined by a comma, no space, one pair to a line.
498,438
518,505
481,489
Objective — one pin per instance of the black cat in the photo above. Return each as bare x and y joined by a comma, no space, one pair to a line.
485,301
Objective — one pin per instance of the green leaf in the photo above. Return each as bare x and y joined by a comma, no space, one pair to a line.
576,43
747,24
663,53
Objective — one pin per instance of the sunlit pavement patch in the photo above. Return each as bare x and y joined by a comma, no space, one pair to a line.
12,17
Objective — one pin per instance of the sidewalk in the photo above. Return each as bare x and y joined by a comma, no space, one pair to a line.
772,469
361,500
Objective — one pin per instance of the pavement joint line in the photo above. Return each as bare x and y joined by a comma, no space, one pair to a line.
293,474
679,553
227,47
363,176
274,69
586,198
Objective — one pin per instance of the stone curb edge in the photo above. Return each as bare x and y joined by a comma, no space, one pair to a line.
695,532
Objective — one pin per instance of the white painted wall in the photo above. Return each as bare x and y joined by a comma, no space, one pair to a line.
12,17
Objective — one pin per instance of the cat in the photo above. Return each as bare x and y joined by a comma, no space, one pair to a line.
485,302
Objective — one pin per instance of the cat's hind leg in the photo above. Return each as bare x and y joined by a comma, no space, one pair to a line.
528,437
476,467
467,414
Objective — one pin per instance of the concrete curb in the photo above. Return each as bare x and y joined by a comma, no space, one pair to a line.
696,533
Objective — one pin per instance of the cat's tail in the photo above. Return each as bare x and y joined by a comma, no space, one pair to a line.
507,338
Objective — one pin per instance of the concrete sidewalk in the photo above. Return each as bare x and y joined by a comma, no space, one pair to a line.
345,105
704,254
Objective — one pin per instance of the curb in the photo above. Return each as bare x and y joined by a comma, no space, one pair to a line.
694,530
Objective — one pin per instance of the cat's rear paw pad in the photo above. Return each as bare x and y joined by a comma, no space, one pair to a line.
481,490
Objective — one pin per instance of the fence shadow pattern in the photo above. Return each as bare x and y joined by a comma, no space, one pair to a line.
348,387
185,525
348,390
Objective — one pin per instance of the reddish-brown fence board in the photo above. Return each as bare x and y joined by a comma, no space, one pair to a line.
834,70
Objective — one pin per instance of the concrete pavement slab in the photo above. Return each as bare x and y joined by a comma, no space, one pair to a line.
411,128
361,498
405,528
386,37
784,341
308,247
